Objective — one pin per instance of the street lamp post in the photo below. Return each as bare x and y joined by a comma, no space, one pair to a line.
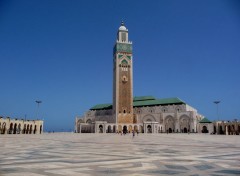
217,102
38,103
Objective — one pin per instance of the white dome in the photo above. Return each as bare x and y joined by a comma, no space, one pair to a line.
122,28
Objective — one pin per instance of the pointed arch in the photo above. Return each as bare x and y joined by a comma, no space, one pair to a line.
149,118
184,122
169,123
10,131
124,62
15,128
35,129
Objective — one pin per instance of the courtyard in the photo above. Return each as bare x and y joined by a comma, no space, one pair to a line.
72,154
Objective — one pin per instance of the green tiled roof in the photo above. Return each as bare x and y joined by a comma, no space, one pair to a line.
144,101
205,120
143,98
164,101
101,106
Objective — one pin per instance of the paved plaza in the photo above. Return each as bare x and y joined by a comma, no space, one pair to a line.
70,154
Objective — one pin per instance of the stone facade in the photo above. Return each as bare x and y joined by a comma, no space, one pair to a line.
15,126
170,118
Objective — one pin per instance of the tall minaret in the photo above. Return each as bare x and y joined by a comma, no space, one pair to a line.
123,77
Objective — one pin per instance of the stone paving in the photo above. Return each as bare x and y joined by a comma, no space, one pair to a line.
69,154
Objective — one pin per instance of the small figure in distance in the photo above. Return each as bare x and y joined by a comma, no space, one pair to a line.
133,132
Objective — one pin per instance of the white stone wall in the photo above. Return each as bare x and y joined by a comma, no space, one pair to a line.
170,117
15,126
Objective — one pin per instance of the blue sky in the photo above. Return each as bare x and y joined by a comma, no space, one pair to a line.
60,52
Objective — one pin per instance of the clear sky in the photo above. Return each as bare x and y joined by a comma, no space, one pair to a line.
60,52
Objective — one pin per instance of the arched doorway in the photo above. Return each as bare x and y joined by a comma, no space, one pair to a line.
27,131
35,129
141,130
30,132
185,130
149,129
125,130
185,124
221,130
10,131
204,129
109,130
15,129
169,124
24,129
100,129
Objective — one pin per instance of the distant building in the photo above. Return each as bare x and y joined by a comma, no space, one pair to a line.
145,114
15,126
219,127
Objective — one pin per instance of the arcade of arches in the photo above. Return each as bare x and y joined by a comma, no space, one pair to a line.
14,126
226,128
170,125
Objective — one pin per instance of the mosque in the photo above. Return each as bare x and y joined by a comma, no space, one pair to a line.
144,114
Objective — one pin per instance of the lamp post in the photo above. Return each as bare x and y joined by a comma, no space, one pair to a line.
38,103
217,102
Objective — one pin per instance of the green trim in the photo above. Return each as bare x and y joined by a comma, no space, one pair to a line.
129,57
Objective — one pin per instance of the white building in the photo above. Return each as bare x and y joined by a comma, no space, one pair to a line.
16,126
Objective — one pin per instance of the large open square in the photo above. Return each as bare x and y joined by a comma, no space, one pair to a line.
70,154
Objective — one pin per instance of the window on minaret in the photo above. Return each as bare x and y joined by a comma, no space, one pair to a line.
123,37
